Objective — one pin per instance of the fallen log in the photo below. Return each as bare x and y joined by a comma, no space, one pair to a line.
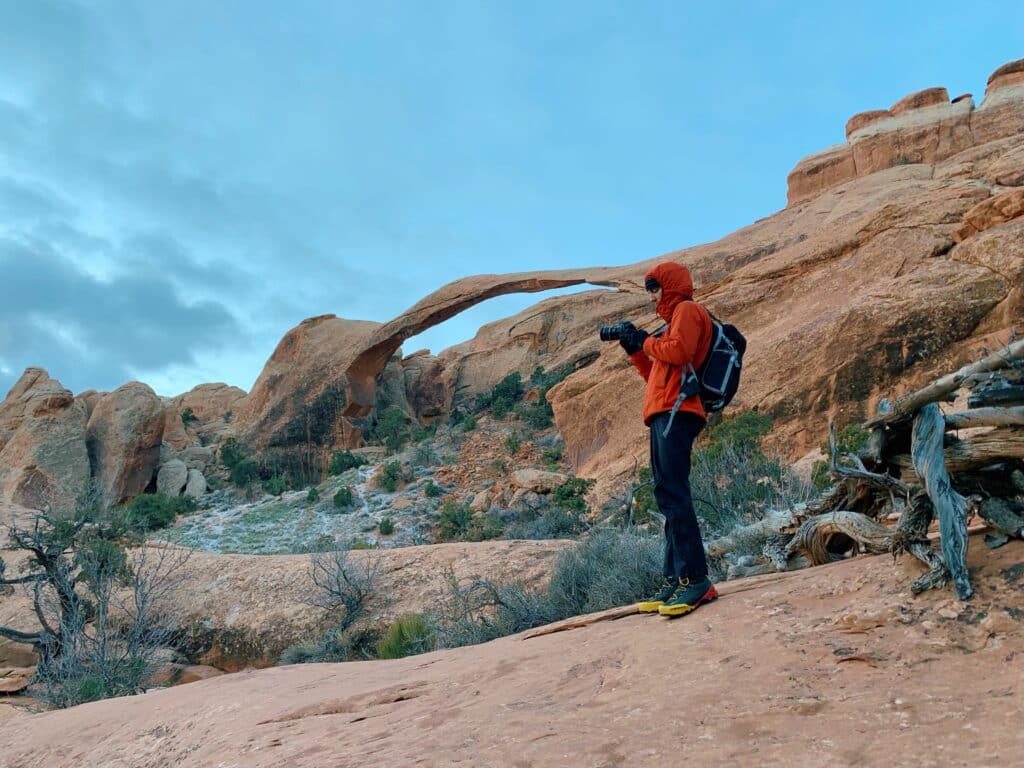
981,450
951,507
904,407
814,537
1005,515
986,417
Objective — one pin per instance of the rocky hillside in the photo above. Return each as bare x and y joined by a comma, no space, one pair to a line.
901,253
827,666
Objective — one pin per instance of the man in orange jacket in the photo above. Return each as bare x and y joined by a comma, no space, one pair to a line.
664,362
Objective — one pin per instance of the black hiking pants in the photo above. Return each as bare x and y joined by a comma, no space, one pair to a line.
670,465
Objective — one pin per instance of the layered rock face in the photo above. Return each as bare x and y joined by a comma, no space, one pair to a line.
43,456
924,127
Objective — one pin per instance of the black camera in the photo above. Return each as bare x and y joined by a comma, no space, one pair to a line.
614,332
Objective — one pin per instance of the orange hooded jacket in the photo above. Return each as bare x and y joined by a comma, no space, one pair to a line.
686,341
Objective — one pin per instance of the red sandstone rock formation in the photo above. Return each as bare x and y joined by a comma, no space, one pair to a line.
924,127
43,457
123,437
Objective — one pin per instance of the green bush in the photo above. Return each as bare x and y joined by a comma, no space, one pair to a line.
387,478
571,493
513,443
409,636
537,415
228,416
503,397
187,417
244,473
468,423
552,455
152,511
342,461
743,432
432,490
424,433
313,496
451,458
361,544
344,498
391,430
453,521
276,485
386,526
232,453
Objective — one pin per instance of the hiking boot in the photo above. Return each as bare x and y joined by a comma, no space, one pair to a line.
652,604
688,596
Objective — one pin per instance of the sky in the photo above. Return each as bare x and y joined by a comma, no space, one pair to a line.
182,182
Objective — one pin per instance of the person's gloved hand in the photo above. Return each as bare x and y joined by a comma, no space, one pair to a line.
632,340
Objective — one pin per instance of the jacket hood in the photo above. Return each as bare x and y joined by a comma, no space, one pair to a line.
676,286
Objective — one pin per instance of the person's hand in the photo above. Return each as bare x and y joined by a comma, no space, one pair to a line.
632,340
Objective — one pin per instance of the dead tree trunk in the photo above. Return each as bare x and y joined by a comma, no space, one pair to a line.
987,417
911,536
951,507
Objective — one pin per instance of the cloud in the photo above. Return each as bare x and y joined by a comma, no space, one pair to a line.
97,332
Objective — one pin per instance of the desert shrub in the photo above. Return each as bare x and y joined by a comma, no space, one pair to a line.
313,496
151,511
555,523
551,456
468,423
607,569
100,614
320,543
228,416
538,414
419,434
570,494
387,478
244,473
513,443
344,498
423,455
450,458
391,430
341,586
432,490
275,485
502,397
499,465
453,521
386,526
408,636
357,544
232,452
342,461
187,417
733,481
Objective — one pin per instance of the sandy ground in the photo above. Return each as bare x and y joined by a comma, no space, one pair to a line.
834,666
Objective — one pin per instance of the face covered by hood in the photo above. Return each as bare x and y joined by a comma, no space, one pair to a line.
676,285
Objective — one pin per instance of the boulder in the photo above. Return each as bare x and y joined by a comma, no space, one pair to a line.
538,480
15,679
195,485
123,437
193,673
481,502
43,456
172,477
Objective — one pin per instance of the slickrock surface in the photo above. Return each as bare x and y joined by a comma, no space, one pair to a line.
829,666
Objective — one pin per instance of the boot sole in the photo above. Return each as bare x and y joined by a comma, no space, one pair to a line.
675,611
650,606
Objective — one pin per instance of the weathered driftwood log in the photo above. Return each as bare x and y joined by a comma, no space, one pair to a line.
981,450
911,536
814,537
986,417
1004,515
1017,478
1011,395
905,407
951,507
773,522
1012,375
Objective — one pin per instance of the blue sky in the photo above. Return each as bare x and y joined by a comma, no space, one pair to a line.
182,182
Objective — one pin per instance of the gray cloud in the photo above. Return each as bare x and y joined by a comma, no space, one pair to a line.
98,331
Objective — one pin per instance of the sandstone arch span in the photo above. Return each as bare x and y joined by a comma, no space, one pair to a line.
445,303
